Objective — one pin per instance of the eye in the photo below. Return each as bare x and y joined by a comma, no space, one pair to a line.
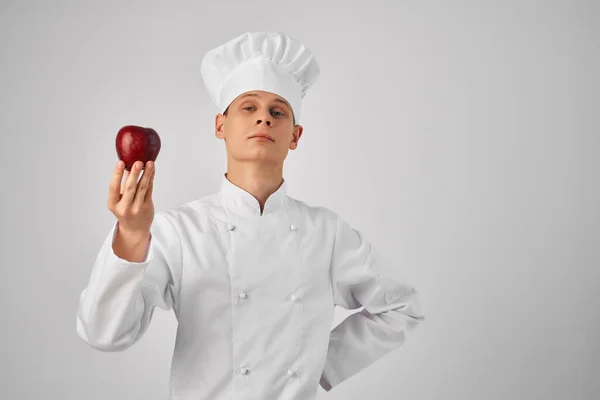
250,107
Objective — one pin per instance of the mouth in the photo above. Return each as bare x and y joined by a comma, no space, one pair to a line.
262,136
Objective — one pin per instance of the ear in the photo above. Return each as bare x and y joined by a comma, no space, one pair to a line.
219,122
296,134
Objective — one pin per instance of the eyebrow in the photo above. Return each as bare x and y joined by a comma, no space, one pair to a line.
280,100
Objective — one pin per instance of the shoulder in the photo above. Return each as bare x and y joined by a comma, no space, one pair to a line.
314,212
203,207
340,226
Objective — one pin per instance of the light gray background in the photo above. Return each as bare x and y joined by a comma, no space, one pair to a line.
461,137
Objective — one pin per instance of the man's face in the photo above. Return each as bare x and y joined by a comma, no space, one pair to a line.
256,112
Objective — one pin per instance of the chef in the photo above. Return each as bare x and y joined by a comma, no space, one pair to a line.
252,274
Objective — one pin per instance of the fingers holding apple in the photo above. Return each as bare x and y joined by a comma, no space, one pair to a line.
143,192
131,201
124,180
133,184
127,189
115,188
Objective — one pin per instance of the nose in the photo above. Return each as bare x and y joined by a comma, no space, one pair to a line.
266,121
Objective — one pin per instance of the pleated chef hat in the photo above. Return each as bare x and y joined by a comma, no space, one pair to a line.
269,61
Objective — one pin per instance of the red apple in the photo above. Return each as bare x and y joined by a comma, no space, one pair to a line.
136,143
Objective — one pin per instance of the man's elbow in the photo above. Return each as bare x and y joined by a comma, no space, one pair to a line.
402,314
409,305
105,345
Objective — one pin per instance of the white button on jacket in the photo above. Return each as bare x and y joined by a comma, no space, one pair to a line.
254,297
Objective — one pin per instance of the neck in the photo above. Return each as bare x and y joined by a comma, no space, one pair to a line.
259,180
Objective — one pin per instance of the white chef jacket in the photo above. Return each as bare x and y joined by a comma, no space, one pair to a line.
254,296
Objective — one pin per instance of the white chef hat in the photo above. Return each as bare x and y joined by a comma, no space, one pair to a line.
269,61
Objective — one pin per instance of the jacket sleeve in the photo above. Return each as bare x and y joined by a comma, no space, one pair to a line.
362,278
116,307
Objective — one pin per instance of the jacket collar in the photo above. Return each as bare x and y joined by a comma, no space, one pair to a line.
237,199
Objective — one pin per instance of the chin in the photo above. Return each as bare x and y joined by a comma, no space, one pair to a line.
257,156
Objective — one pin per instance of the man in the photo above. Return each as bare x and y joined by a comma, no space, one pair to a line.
252,274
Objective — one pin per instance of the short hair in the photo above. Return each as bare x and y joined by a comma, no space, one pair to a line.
227,109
